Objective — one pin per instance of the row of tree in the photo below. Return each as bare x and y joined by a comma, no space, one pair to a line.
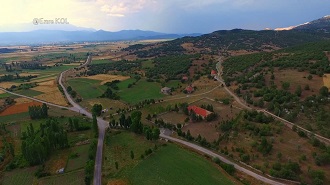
38,112
37,145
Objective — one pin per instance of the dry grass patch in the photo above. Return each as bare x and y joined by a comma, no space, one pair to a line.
2,92
7,84
118,182
107,78
326,80
21,100
51,93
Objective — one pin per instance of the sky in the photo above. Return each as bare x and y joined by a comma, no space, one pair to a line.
167,16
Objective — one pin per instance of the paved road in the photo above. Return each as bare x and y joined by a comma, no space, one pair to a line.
102,124
287,123
212,154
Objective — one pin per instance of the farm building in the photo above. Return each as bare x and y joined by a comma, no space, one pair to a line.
199,111
185,78
213,73
190,89
166,90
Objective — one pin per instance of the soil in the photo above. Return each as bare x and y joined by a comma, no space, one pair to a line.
18,108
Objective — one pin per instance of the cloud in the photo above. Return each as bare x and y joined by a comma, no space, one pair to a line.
120,8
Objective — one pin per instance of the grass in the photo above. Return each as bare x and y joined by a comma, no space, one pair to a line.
29,92
184,168
173,84
87,88
123,84
19,176
80,161
141,91
15,117
71,178
5,95
148,64
101,61
166,165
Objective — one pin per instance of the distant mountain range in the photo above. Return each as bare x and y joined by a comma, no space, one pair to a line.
71,33
60,36
322,24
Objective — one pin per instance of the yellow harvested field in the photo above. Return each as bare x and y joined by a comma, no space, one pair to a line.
107,78
21,100
326,80
72,64
44,79
51,93
7,84
2,92
53,97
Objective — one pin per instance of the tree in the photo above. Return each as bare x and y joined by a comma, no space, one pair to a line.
44,110
116,164
71,127
95,127
97,109
298,91
285,85
148,117
324,91
155,133
132,154
310,77
136,126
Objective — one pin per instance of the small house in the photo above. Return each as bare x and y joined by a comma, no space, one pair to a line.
190,89
166,90
60,171
213,73
185,78
199,111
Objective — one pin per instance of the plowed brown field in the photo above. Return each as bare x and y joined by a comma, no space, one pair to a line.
18,108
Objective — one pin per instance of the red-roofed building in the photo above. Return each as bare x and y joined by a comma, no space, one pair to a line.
199,111
213,73
189,89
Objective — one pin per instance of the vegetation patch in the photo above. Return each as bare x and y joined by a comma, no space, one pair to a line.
141,91
87,88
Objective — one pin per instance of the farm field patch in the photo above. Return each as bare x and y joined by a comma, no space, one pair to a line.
107,78
18,108
87,88
141,91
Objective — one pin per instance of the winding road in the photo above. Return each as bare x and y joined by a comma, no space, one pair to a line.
102,124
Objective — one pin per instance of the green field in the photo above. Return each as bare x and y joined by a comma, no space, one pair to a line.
71,178
101,61
87,88
174,165
148,64
15,117
139,92
173,84
168,164
19,177
5,95
80,161
29,92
